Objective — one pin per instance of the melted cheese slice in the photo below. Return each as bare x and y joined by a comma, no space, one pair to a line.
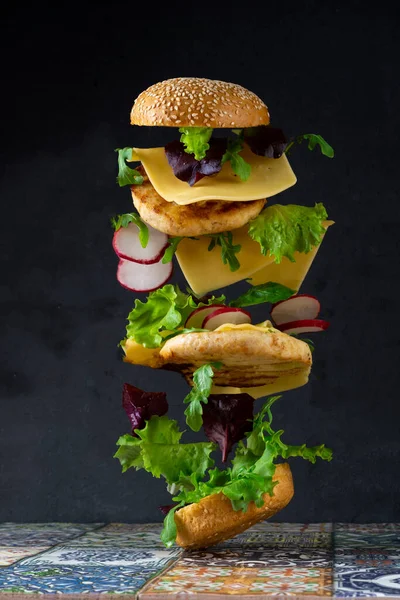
205,271
139,355
269,176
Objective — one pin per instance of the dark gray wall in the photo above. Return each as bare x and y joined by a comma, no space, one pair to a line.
70,78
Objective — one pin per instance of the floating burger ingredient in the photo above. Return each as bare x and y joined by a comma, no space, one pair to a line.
215,189
206,198
210,504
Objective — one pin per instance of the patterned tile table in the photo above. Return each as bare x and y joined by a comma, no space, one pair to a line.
304,561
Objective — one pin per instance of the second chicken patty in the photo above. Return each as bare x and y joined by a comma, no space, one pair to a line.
200,218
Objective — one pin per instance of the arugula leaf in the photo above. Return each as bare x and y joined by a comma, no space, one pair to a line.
169,530
283,230
202,384
240,167
313,140
165,309
195,140
126,175
170,250
228,250
265,292
123,221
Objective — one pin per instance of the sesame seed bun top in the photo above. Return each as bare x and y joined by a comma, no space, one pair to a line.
198,102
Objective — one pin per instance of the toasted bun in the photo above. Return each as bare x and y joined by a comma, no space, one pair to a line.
198,102
200,218
250,356
213,519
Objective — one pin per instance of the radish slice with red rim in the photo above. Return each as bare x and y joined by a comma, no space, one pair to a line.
225,315
127,245
196,318
304,326
138,277
297,308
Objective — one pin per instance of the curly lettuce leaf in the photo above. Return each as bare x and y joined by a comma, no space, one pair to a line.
158,450
283,230
169,530
270,292
165,309
202,384
195,140
126,175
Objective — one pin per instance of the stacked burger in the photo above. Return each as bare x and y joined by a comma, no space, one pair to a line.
204,198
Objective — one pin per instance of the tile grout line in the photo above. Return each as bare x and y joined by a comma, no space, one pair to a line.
160,574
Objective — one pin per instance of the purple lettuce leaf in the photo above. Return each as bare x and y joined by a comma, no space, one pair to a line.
140,406
187,168
226,418
165,508
266,141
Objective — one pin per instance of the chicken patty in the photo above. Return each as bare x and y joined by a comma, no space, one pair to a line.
200,218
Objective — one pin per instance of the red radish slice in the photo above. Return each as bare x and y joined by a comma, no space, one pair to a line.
196,318
143,278
296,308
220,316
126,245
304,326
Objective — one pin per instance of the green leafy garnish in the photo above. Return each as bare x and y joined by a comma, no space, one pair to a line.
252,467
228,250
159,451
202,384
240,167
123,221
126,175
165,309
313,140
169,530
195,140
265,292
170,250
284,230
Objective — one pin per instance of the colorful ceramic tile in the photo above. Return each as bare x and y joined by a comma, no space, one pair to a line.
239,581
123,538
250,557
293,527
368,557
263,539
72,580
103,556
366,582
41,534
348,539
369,528
11,554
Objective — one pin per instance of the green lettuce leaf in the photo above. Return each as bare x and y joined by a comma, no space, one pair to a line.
126,175
240,167
283,230
265,292
165,309
159,451
195,140
123,221
202,384
169,530
228,250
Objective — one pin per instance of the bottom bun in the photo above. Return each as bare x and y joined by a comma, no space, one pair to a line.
213,519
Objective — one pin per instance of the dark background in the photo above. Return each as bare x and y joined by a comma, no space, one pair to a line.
70,75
